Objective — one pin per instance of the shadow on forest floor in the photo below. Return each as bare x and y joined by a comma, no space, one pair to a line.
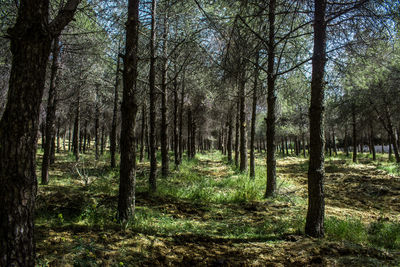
208,214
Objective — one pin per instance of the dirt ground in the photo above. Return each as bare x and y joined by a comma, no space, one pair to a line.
357,190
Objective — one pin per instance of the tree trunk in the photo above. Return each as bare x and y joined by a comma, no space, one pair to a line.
353,113
176,137
164,126
243,123
237,134
113,134
253,119
189,130
96,124
230,131
152,100
181,119
346,146
58,136
103,141
316,202
372,143
271,102
142,134
127,182
77,131
51,112
30,40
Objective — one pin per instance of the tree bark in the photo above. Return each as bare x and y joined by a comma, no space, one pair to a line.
353,113
181,119
237,133
190,133
253,119
51,112
142,134
126,198
176,137
229,142
152,100
271,102
96,124
113,134
243,123
316,199
164,94
31,39
372,142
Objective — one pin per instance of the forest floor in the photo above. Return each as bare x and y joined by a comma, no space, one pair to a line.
208,214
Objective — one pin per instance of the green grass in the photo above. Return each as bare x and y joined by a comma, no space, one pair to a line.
206,199
379,234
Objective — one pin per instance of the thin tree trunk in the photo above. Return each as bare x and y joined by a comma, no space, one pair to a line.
253,119
127,184
243,124
96,124
181,119
189,130
76,135
372,143
142,134
164,126
237,134
176,137
230,131
316,202
152,100
113,133
51,112
353,113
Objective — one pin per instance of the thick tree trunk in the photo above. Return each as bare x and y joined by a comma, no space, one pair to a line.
51,112
30,47
127,182
113,133
316,199
164,94
152,102
253,119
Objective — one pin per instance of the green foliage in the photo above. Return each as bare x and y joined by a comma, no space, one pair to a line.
384,234
349,229
380,233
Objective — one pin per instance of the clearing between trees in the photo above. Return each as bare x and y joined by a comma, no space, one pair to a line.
208,213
